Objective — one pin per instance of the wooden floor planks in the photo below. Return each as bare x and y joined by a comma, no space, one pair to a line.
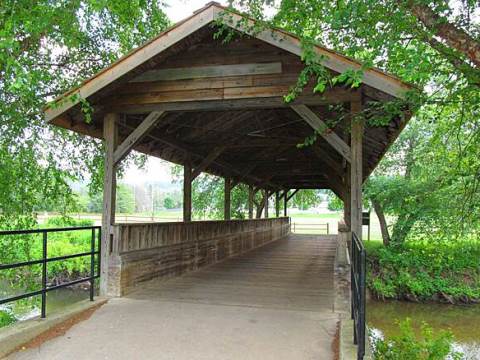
295,273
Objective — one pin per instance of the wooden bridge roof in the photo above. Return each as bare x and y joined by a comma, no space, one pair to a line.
220,106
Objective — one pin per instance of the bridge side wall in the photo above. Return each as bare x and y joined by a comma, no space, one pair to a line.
147,251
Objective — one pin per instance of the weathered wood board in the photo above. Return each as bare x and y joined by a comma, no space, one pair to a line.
156,250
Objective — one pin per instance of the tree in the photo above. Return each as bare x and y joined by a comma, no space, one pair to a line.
47,48
168,203
428,183
334,203
125,200
305,199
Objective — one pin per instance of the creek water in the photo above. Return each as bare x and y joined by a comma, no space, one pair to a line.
56,301
462,321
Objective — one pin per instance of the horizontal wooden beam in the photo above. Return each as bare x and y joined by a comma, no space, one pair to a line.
216,101
209,83
136,135
330,59
323,130
209,71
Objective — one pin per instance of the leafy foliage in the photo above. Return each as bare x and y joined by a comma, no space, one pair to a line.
47,48
20,248
6,318
425,270
429,180
407,345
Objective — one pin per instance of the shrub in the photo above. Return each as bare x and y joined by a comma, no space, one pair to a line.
6,318
407,346
65,221
426,270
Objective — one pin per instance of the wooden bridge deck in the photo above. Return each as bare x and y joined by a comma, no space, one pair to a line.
294,273
275,302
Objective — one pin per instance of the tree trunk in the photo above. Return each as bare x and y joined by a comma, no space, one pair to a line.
383,223
402,227
453,36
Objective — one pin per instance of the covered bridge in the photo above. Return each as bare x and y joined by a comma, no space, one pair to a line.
218,107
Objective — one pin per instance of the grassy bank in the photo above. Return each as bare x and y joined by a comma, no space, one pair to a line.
425,271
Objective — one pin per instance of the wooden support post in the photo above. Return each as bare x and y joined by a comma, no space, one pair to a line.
285,203
187,192
251,195
266,203
277,204
347,213
356,176
227,198
110,134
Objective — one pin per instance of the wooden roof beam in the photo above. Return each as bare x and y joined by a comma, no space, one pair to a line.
147,103
210,158
137,135
323,130
191,152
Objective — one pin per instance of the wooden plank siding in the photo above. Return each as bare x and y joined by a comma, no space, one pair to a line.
162,250
233,71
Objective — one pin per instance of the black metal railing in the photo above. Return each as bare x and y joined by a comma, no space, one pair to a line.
94,250
358,275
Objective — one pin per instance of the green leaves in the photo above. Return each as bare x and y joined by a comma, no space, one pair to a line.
49,47
408,345
350,77
425,270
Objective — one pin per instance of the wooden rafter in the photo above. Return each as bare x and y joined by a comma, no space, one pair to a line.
136,136
323,130
210,158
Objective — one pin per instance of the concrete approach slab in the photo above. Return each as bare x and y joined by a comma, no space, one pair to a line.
275,302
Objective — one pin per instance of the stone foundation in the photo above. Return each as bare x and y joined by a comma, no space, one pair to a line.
143,252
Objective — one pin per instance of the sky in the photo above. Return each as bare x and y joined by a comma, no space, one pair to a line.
180,9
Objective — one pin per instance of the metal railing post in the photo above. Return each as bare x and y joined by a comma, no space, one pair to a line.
361,305
358,290
92,265
99,257
44,276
